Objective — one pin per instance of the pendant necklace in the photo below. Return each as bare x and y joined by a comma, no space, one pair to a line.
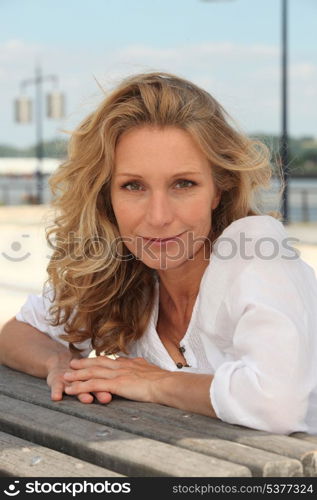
181,365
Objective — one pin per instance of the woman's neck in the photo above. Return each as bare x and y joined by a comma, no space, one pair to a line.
179,288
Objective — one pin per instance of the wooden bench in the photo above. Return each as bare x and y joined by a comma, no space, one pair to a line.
43,438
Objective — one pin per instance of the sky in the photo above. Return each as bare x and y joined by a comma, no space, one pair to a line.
231,48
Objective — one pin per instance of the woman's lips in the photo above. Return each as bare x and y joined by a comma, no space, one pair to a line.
162,240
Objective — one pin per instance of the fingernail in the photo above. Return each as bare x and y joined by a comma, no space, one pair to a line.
67,374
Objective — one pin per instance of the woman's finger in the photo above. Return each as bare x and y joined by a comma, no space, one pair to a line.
103,397
104,361
85,397
92,385
91,372
57,390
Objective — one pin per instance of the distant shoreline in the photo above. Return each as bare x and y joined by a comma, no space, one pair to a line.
299,176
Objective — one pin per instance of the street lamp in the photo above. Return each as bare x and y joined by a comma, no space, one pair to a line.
284,138
23,114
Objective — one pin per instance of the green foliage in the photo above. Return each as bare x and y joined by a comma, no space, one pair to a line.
56,148
302,152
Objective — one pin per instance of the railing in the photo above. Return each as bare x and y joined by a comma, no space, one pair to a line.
306,203
18,190
302,199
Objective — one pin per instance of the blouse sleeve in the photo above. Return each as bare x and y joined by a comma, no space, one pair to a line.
266,386
35,312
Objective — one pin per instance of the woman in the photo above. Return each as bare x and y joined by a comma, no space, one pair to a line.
163,257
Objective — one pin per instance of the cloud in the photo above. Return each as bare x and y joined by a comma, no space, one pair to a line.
244,78
226,49
14,50
303,70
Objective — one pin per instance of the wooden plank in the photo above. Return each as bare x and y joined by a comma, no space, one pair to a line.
303,450
261,463
132,417
311,438
22,458
104,446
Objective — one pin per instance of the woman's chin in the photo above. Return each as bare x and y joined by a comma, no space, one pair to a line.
164,265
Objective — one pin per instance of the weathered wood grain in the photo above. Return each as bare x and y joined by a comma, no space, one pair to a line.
22,458
140,419
104,446
304,450
311,438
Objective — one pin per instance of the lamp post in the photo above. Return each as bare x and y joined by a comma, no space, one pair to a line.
284,137
23,114
284,143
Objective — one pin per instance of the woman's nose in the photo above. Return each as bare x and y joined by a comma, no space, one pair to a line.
158,210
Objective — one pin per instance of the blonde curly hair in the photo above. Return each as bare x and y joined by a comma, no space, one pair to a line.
101,297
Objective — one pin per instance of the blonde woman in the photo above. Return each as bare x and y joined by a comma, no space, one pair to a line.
164,257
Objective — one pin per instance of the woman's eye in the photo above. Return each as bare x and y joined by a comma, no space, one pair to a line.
181,181
125,186
134,186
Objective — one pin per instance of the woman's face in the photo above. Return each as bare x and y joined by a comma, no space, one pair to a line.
162,187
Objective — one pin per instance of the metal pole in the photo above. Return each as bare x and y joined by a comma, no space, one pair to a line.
39,134
38,82
284,138
305,205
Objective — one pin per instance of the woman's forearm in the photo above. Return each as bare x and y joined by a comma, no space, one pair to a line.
139,380
186,391
29,350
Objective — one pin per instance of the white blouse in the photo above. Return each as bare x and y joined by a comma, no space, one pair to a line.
253,326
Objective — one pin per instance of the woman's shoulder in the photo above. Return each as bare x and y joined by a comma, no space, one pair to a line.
254,260
260,225
255,237
258,247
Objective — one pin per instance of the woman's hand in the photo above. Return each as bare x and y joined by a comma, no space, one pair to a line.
131,378
139,380
57,367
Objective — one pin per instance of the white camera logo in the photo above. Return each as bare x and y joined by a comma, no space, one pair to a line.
13,492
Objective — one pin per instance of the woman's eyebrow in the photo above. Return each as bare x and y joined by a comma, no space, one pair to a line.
179,174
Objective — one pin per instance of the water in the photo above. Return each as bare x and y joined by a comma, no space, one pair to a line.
302,192
16,190
302,199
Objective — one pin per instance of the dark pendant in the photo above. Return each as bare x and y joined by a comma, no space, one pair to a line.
180,365
181,349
